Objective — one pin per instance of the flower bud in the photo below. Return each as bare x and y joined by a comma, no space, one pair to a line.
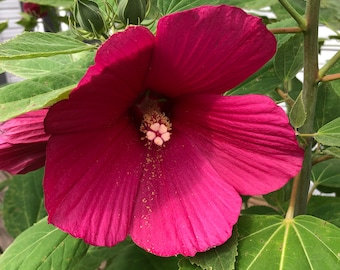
87,14
132,11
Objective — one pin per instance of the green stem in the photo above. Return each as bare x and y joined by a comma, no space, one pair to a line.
307,135
286,30
296,16
286,98
310,193
330,77
331,62
320,159
309,98
292,202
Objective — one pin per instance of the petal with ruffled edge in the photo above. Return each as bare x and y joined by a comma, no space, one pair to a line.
183,205
23,143
91,181
208,49
109,87
247,139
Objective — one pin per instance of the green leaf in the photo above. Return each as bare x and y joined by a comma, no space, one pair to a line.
327,105
260,210
43,247
54,3
24,202
96,255
185,264
329,212
262,82
3,26
332,151
297,114
327,173
328,99
127,256
316,201
27,21
37,93
265,81
282,39
171,6
220,258
35,67
272,242
330,14
329,190
329,134
326,208
280,12
279,198
288,60
93,258
335,83
66,3
250,4
45,44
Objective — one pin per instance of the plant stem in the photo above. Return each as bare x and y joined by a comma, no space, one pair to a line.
286,30
310,193
329,64
320,159
296,16
286,98
307,135
309,98
330,77
292,202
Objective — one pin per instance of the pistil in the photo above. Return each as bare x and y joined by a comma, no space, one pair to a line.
155,125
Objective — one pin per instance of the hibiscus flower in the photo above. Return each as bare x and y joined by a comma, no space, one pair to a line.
147,146
23,143
35,10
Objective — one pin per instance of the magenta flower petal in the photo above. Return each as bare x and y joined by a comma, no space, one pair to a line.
25,128
208,49
115,81
35,10
22,158
23,142
183,205
91,184
247,139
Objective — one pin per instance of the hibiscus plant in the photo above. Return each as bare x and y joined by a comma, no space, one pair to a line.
173,134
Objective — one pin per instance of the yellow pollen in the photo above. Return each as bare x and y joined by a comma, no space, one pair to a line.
155,125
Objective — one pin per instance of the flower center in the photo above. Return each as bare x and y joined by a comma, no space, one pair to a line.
155,124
